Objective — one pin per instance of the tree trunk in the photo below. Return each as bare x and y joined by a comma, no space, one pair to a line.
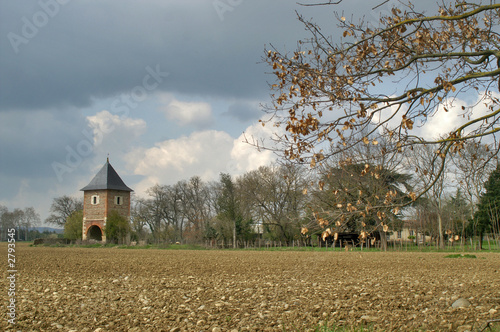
234,235
383,240
440,229
462,237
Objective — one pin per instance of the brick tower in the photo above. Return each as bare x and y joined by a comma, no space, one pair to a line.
106,192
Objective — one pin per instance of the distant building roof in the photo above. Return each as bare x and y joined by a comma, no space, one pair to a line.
107,178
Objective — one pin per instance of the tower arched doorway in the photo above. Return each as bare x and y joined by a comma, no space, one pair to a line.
94,233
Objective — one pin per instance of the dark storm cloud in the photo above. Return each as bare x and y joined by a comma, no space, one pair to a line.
97,49
31,141
244,111
62,52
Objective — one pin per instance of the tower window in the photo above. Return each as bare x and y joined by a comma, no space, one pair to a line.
118,200
94,200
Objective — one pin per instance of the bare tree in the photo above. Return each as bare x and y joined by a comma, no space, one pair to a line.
423,160
275,195
12,219
174,213
389,81
473,167
6,222
62,207
196,207
30,219
139,224
229,215
153,211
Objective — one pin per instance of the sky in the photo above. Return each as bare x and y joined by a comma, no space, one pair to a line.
168,89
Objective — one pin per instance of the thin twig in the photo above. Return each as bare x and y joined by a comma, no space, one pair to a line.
321,3
386,1
488,324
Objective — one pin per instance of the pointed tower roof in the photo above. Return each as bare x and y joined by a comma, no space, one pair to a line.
107,178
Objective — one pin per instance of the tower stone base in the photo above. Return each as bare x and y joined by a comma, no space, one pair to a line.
94,230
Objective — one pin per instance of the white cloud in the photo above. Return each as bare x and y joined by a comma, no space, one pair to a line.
442,121
455,115
245,155
387,116
205,154
195,114
114,134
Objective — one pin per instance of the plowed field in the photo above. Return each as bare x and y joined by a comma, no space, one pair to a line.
110,289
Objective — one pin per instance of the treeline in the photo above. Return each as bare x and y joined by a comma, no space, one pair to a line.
23,221
268,202
290,202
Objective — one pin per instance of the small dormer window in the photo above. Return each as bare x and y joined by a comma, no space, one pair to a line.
118,200
94,200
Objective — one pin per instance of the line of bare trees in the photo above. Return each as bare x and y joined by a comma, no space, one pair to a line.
290,202
23,220
265,202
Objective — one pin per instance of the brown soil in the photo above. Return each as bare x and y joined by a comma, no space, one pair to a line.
110,289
